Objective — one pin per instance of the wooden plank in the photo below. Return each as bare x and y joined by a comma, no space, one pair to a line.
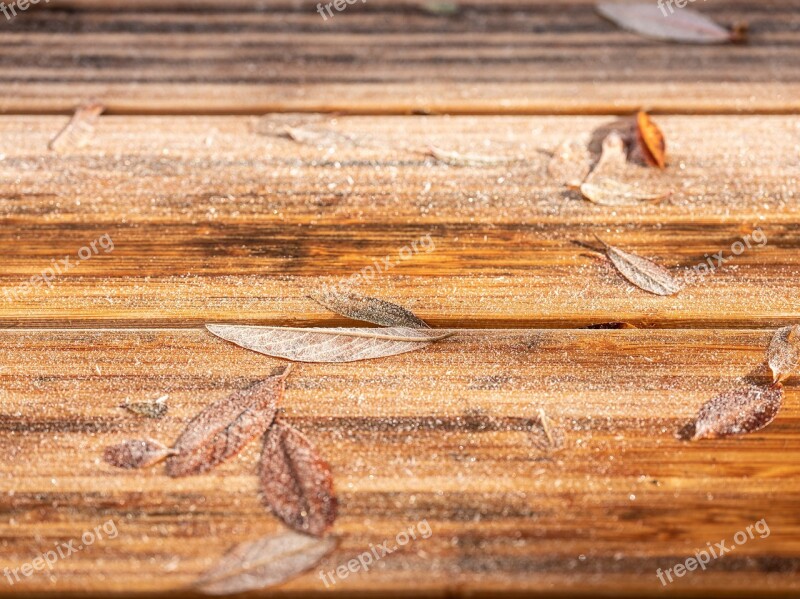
226,219
385,56
447,435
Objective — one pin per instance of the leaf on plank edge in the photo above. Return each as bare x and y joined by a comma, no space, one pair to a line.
327,344
783,353
367,309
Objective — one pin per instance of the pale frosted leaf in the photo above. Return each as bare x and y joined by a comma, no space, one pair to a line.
610,192
296,483
641,272
263,563
327,345
221,430
79,129
368,309
137,453
677,25
458,159
783,354
570,163
742,410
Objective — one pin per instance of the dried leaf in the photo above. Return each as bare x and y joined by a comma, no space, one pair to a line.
264,563
609,192
221,430
742,410
457,159
783,354
317,137
643,273
139,453
327,345
79,129
440,8
651,141
296,482
613,156
368,309
148,409
650,20
611,326
570,163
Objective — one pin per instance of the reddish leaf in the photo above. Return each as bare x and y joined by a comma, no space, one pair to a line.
221,430
296,482
742,410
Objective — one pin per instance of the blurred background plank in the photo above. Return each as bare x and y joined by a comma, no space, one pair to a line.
385,56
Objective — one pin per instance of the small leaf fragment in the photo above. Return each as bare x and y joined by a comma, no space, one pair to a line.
609,192
368,309
149,409
327,345
650,20
570,163
783,354
137,453
458,159
79,129
611,326
263,563
296,483
651,141
643,273
742,410
221,430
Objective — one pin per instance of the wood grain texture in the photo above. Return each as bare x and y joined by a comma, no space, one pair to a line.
449,435
224,219
384,56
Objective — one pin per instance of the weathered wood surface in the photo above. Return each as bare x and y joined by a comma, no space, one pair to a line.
385,56
226,219
448,434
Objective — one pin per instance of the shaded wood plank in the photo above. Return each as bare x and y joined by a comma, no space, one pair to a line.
388,57
226,219
448,435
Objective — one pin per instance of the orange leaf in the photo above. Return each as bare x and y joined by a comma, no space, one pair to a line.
651,141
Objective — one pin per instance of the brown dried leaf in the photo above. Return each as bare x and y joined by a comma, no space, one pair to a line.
651,141
221,430
148,409
783,354
263,563
138,453
570,163
368,309
609,192
296,483
650,20
327,345
458,159
742,410
641,272
79,129
611,325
